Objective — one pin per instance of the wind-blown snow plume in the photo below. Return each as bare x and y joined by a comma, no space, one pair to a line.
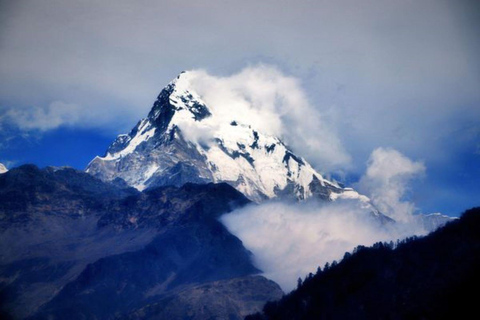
265,98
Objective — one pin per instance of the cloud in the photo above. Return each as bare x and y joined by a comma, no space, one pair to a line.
289,240
273,103
386,182
356,61
53,116
403,74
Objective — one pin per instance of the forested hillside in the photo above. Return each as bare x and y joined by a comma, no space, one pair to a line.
434,277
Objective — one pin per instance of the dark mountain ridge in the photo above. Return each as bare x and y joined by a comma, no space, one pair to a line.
26,191
72,246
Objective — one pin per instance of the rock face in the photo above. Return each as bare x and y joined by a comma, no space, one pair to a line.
182,140
72,246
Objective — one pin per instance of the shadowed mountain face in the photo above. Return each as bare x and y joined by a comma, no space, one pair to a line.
27,191
226,299
434,277
74,247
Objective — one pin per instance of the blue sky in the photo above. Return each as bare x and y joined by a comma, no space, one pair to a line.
391,74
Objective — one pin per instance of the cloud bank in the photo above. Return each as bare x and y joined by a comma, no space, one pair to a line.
289,240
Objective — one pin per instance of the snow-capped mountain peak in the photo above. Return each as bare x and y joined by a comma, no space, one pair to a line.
183,101
183,140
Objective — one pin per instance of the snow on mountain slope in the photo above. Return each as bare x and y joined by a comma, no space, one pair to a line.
433,221
3,169
182,140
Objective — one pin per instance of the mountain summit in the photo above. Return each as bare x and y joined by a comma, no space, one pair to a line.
182,140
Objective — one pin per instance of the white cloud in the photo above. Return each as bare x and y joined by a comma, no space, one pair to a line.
56,114
289,240
272,102
197,132
386,182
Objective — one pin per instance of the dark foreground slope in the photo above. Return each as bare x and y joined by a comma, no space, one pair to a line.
73,247
435,277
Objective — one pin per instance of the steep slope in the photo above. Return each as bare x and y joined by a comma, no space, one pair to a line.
72,246
182,140
434,277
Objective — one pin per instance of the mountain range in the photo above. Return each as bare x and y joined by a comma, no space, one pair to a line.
183,140
69,240
137,235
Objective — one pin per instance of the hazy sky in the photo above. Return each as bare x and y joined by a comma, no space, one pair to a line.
396,74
